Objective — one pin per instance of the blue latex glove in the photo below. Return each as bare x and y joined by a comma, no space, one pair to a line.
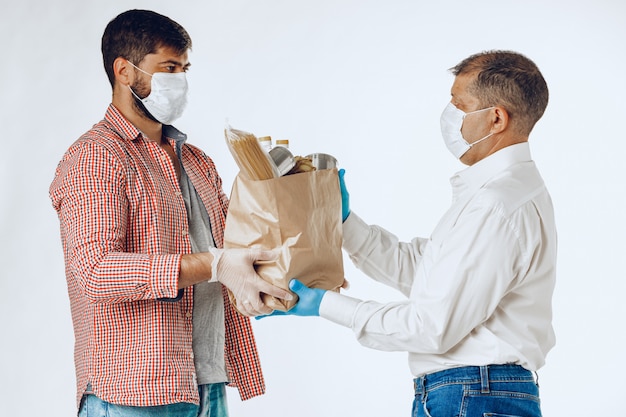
345,197
308,304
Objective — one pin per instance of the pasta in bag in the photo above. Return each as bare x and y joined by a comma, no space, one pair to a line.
252,160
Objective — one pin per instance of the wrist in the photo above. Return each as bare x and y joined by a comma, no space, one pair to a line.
321,295
194,268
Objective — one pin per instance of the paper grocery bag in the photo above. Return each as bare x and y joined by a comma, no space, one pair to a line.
301,215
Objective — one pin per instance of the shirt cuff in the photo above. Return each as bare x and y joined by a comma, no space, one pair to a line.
167,269
338,308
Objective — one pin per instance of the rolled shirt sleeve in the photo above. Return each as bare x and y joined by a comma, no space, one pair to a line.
105,253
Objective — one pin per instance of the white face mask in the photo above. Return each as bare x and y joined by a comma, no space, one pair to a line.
451,124
168,95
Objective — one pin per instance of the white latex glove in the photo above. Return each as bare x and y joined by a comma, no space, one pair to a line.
235,269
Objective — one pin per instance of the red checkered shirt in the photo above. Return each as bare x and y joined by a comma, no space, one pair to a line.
123,228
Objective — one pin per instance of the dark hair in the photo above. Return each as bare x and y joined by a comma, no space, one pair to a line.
508,79
136,33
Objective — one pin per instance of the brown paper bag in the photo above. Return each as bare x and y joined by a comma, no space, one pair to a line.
301,215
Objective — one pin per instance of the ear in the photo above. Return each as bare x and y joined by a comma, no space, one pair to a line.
123,71
500,120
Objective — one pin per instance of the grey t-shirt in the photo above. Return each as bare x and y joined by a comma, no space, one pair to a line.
208,303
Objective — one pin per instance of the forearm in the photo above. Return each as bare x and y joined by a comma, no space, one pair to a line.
382,326
380,255
386,327
195,268
125,277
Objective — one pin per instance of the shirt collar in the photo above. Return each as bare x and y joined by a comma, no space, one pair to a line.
128,131
475,176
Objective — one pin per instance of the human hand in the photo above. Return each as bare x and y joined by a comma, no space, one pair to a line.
345,197
235,269
308,303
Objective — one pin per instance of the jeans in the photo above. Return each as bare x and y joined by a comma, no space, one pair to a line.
212,404
477,391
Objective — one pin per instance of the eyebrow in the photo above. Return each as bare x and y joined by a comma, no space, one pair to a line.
177,63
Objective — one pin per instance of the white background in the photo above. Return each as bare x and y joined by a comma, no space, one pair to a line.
365,81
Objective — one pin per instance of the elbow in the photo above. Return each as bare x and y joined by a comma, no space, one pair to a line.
92,290
92,294
90,287
428,337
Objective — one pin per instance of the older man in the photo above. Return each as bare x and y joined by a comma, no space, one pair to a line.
477,321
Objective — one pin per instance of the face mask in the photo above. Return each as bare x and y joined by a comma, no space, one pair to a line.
451,123
168,95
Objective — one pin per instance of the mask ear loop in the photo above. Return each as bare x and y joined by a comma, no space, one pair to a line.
133,93
471,112
147,73
129,87
480,140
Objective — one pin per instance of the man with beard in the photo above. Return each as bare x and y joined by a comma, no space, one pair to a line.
142,217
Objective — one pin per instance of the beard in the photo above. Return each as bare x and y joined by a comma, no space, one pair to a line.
141,90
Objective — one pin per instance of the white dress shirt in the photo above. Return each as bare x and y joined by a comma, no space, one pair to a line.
479,289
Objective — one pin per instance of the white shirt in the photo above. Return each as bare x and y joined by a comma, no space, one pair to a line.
479,289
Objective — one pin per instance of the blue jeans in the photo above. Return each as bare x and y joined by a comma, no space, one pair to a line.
477,391
212,404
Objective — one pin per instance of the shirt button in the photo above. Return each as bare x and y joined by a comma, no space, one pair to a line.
188,315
